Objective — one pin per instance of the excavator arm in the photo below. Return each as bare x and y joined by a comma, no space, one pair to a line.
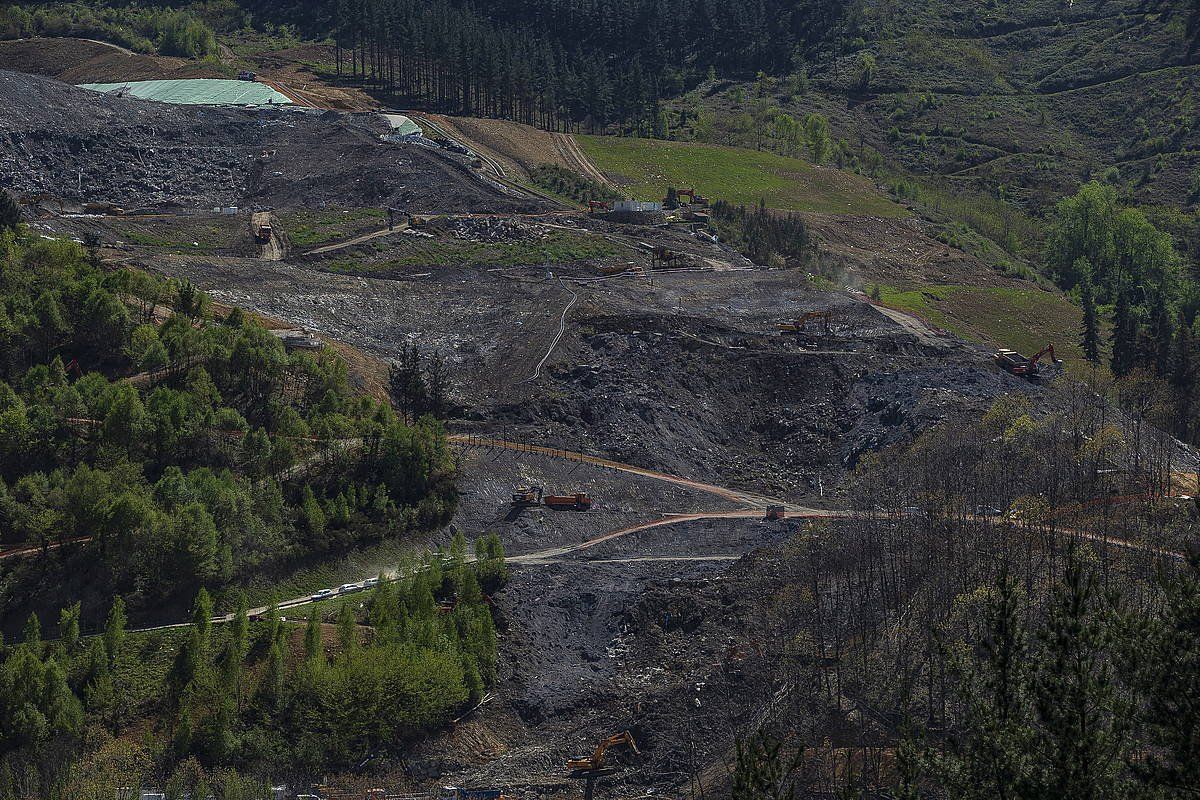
596,760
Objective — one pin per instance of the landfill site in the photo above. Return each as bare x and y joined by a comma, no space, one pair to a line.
646,417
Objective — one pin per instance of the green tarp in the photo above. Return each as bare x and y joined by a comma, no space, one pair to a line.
198,91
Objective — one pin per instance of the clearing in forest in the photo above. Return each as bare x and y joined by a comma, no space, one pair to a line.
644,168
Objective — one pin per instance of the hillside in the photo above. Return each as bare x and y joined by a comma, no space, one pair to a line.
1036,97
340,461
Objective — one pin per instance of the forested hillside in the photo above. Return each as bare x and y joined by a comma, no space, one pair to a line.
166,449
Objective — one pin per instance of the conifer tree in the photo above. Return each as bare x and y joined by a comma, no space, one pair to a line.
314,653
114,630
1082,716
1091,317
1124,336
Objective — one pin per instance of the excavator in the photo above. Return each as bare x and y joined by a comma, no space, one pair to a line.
1017,364
598,205
823,318
529,496
596,760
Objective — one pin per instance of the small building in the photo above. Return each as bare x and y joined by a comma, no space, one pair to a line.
636,212
637,206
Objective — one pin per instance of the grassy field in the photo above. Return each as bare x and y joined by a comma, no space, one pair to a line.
644,168
405,253
1025,320
312,228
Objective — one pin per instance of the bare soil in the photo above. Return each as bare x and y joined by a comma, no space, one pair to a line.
82,146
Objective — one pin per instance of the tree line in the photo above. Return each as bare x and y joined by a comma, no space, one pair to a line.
233,707
1001,619
566,65
166,31
1123,269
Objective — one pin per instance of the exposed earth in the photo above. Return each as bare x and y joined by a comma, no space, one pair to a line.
557,332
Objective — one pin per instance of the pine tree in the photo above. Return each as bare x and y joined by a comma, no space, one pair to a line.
438,386
1124,336
991,757
237,647
114,630
314,653
31,637
1162,337
1081,741
202,614
10,212
347,627
68,627
1167,667
1091,317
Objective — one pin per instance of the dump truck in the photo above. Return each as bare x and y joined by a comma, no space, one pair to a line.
263,232
578,501
775,512
529,496
1028,368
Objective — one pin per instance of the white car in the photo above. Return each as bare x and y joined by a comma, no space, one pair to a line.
370,583
322,594
347,588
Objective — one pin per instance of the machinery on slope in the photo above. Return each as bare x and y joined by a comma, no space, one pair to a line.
579,767
1029,368
579,501
598,205
823,320
528,496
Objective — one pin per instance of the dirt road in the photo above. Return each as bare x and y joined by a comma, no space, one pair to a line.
274,248
366,237
569,150
745,498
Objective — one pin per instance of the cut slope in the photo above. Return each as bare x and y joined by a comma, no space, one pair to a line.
644,168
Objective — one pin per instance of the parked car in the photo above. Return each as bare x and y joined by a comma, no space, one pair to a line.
370,583
322,594
347,588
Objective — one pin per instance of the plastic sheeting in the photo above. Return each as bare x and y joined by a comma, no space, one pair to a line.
197,91
402,125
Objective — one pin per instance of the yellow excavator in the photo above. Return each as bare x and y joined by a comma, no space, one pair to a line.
595,761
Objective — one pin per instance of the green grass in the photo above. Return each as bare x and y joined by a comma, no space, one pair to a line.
1025,320
313,228
182,234
644,168
410,252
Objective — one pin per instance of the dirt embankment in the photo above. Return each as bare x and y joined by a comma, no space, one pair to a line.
86,61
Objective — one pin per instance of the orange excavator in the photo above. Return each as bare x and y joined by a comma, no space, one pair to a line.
596,760
1028,368
823,318
598,205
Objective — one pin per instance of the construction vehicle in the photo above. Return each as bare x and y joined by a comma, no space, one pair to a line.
247,75
578,501
1028,368
693,198
529,496
775,512
661,255
596,760
598,205
823,318
263,232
